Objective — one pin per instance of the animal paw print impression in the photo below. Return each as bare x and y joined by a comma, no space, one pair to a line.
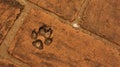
44,31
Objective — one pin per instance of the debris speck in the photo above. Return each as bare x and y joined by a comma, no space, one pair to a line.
75,25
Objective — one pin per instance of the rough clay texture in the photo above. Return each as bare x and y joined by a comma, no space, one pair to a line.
9,11
102,17
6,63
66,9
95,43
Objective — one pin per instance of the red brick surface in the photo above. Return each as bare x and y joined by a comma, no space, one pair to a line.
70,48
6,63
66,9
102,17
9,11
93,43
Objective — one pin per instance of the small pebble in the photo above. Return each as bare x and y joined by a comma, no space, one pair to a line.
34,34
75,25
48,41
38,44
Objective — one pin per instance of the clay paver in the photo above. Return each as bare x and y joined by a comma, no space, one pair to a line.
70,48
66,9
9,12
102,17
6,63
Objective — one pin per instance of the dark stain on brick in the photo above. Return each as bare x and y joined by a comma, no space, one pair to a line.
34,34
48,32
42,30
48,41
38,44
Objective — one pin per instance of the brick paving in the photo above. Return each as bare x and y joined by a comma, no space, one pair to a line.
6,63
106,21
94,43
8,14
65,9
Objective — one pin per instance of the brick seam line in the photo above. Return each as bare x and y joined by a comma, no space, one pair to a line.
33,5
79,19
13,23
8,38
48,11
55,13
114,45
70,24
11,26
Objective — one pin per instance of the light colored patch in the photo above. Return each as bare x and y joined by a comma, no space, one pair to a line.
75,25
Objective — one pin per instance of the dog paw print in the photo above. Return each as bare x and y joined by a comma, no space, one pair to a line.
44,31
